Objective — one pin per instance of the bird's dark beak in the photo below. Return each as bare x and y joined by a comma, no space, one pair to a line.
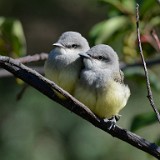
84,55
58,45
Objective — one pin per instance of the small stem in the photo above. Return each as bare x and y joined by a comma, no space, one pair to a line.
149,96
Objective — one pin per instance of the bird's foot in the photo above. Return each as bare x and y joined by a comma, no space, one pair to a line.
111,122
117,117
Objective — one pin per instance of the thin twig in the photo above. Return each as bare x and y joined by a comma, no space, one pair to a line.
28,59
149,96
48,88
33,58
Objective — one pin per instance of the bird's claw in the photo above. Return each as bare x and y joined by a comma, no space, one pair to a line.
111,122
117,117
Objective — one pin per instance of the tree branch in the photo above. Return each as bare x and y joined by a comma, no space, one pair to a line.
149,96
4,73
28,59
33,58
48,88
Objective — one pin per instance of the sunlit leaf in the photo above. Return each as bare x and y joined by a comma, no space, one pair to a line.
12,39
104,30
154,21
143,120
129,5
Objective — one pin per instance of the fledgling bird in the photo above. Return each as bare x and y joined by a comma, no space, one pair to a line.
101,85
63,64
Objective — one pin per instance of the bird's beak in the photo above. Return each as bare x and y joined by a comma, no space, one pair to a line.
58,45
84,55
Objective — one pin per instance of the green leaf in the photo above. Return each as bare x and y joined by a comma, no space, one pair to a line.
115,3
104,30
143,120
123,6
155,21
12,39
129,6
146,7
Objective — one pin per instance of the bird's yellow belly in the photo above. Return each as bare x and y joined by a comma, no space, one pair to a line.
66,79
105,103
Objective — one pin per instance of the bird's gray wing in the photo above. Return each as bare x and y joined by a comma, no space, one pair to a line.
118,76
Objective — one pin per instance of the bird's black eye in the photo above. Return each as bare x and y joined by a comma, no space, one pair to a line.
74,45
100,57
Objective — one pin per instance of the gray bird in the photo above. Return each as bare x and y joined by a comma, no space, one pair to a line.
101,85
63,64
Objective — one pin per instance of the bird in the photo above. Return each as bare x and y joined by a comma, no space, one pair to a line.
64,63
101,84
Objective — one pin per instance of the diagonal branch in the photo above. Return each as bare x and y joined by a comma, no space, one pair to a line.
149,96
48,88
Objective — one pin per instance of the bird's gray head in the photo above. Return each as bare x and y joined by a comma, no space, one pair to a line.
100,57
73,41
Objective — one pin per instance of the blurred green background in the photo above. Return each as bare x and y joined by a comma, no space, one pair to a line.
36,128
